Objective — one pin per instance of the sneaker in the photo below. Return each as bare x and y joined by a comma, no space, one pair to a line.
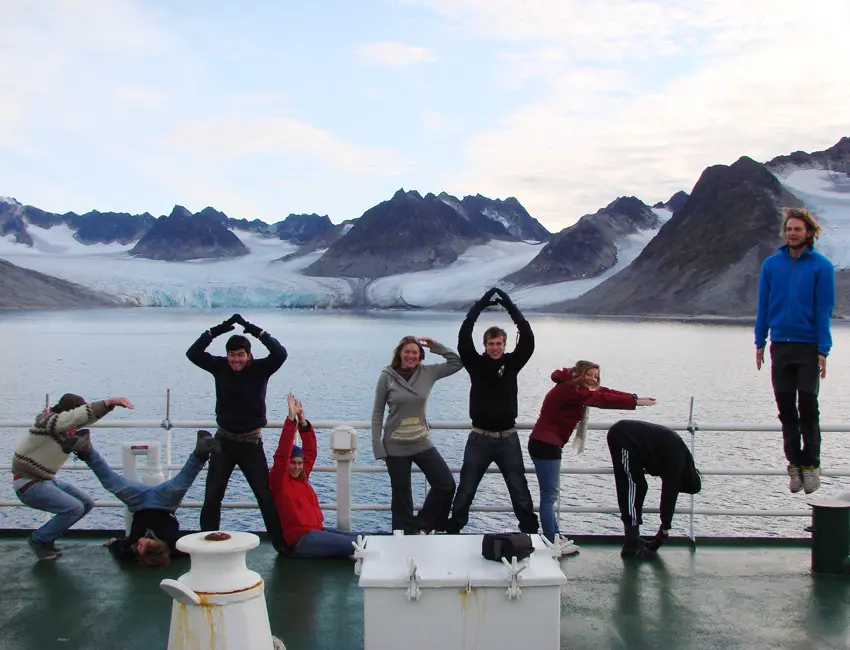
82,444
568,547
811,478
43,550
206,445
796,475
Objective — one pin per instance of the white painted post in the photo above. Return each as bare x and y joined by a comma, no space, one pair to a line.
343,441
153,469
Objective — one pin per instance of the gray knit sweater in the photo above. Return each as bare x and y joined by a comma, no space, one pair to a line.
405,431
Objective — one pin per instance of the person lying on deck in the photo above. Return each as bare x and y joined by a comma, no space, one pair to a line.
155,530
296,501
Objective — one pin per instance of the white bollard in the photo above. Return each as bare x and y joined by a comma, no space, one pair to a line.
153,469
219,603
343,451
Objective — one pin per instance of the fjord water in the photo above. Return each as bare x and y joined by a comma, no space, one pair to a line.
334,361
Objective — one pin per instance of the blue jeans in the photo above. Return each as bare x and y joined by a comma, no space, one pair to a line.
67,502
138,496
549,478
480,452
328,542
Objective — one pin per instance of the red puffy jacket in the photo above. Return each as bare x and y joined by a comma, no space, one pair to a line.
296,500
564,405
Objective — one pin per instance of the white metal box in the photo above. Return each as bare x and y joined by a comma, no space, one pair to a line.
438,591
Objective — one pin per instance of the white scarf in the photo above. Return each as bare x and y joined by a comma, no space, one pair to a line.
581,432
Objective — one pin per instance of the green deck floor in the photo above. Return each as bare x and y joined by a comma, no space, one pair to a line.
717,597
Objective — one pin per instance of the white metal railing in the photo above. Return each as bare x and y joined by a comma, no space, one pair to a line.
344,507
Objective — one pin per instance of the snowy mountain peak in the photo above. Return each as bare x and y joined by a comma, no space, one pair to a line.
9,199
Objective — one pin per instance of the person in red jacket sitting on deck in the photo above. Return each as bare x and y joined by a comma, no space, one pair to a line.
297,505
564,410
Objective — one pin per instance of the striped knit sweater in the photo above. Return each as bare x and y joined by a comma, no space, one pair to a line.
46,446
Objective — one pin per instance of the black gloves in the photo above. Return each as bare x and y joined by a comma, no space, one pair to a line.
226,326
251,329
221,328
505,300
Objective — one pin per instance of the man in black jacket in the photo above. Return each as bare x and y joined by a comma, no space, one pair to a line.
240,411
638,448
493,411
155,530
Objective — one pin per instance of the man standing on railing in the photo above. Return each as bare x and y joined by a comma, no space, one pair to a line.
493,411
41,453
796,298
296,500
638,448
240,412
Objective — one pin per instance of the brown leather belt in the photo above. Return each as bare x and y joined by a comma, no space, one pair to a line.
27,486
498,435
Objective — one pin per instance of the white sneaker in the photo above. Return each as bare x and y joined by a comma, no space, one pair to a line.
568,547
811,478
796,476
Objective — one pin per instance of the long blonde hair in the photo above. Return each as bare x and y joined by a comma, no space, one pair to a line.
580,370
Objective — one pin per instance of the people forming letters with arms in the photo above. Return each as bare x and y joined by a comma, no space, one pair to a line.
296,500
41,453
493,411
240,412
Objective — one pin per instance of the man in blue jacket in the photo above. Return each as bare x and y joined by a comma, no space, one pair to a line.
796,297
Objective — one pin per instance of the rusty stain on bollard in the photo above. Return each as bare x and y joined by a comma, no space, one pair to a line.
217,537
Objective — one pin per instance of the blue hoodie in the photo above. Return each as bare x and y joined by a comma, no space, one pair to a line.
796,297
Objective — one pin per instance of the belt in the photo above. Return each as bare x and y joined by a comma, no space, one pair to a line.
27,486
498,435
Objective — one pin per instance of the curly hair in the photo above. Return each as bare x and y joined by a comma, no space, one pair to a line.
156,554
813,229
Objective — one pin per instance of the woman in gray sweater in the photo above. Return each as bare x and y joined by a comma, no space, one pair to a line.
404,438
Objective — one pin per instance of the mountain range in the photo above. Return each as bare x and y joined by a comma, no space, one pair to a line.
697,253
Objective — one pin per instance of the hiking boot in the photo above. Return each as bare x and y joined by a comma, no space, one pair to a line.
205,446
568,546
811,478
82,445
796,483
43,550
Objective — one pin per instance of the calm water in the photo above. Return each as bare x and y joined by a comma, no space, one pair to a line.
334,361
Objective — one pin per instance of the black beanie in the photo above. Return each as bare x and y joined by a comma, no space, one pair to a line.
67,402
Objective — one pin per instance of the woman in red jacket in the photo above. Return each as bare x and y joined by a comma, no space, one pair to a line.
297,505
565,408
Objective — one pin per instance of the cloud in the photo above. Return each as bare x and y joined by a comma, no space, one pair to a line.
394,55
244,136
639,97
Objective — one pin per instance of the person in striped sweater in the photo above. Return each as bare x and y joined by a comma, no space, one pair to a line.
40,454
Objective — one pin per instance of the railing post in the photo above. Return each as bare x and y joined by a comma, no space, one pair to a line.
343,451
166,424
692,430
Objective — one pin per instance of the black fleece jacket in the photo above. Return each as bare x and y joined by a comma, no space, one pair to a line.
493,390
240,397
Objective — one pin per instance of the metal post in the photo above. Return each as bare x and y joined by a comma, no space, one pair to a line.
692,430
166,424
343,493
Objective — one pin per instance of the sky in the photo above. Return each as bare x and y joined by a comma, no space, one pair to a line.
270,108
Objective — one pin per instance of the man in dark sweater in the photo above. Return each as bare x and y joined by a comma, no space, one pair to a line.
493,411
240,411
155,530
638,448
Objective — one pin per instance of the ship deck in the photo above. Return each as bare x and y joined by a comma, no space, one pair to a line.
721,595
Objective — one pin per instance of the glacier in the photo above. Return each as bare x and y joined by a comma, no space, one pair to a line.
263,279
